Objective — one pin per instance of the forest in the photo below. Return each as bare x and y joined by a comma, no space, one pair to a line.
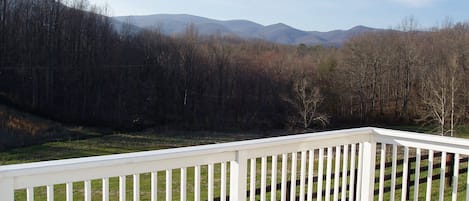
66,61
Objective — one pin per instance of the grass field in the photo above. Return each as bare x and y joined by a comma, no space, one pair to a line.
116,143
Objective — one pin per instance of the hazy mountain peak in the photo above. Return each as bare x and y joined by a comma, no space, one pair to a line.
282,25
361,27
279,33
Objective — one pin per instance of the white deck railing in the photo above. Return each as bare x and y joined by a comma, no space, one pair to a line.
336,165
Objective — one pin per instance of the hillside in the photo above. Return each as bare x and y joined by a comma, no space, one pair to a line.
173,24
18,128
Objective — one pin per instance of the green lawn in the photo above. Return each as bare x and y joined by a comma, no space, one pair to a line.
116,143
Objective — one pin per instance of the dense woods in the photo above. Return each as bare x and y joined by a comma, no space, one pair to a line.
71,64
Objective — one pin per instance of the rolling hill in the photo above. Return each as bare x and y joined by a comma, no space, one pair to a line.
173,24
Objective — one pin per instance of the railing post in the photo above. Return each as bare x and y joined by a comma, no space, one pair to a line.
238,174
368,171
7,192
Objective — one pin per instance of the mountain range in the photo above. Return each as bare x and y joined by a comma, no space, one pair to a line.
173,24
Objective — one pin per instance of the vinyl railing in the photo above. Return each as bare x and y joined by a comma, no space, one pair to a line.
352,164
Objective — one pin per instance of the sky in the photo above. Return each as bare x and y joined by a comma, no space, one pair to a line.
309,15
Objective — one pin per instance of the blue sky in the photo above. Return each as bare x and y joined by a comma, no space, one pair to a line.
320,15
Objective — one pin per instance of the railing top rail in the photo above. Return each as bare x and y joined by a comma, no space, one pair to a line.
426,141
139,157
379,134
420,136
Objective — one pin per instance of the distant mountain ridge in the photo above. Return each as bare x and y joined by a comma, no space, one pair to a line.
172,24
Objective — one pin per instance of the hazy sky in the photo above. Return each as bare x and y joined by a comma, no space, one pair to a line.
321,15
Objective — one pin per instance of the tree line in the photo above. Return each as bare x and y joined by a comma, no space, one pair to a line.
411,75
71,64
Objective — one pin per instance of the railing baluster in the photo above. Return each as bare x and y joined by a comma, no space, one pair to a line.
328,173
337,172
69,191
320,170
302,175
154,186
50,192
263,177
454,195
393,172
353,153
405,173
428,194
223,181
210,182
442,177
382,169
467,182
136,187
283,190
197,183
293,176
105,189
418,154
169,185
183,184
310,174
30,194
87,190
344,173
252,188
273,183
359,171
122,188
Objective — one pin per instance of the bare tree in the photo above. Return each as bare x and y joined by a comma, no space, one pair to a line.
306,101
440,102
442,93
